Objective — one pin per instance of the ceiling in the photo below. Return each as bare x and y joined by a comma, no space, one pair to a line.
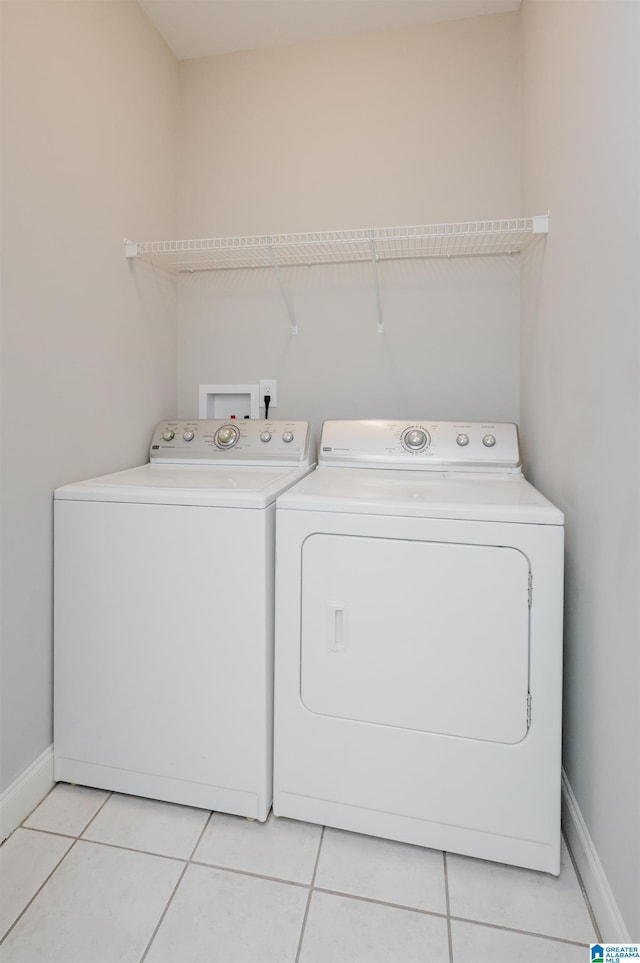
206,28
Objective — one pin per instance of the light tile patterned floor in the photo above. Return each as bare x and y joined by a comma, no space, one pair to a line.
95,877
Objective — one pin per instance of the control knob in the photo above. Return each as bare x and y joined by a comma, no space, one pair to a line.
226,437
189,435
168,435
265,436
287,436
462,440
415,439
489,441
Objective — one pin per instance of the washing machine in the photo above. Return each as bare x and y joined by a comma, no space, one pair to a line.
163,616
418,666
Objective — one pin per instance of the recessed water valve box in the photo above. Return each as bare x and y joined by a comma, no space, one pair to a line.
228,401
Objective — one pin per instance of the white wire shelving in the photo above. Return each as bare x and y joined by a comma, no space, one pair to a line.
374,245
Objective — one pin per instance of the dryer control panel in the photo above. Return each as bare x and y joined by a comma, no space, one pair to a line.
428,445
232,442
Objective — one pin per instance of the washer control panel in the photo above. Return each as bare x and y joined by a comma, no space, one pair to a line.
437,445
237,442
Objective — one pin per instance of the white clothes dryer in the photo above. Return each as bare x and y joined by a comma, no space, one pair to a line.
163,625
419,642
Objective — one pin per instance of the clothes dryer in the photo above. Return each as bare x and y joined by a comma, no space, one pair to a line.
419,642
163,634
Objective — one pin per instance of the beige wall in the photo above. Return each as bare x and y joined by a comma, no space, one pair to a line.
402,127
89,110
581,393
407,126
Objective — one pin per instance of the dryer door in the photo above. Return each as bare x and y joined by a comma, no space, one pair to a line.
430,636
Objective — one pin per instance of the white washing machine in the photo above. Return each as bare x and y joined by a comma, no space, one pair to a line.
163,625
419,642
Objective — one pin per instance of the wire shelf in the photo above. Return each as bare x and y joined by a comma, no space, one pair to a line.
467,239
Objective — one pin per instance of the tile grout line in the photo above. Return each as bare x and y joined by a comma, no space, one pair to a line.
311,890
45,832
96,814
379,902
512,929
175,888
38,891
247,872
75,839
447,904
30,814
132,849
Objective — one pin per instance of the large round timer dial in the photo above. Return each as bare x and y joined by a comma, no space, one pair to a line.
415,439
226,436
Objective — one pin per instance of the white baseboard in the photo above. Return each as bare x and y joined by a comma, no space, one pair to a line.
25,792
605,909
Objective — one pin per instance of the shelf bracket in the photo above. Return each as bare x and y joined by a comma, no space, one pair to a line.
374,266
283,291
540,224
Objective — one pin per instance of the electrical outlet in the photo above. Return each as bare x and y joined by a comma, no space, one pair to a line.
268,387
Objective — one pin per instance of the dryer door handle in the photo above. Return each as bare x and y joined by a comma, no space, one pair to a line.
336,640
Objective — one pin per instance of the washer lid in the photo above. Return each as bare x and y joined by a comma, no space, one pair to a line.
209,486
420,494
